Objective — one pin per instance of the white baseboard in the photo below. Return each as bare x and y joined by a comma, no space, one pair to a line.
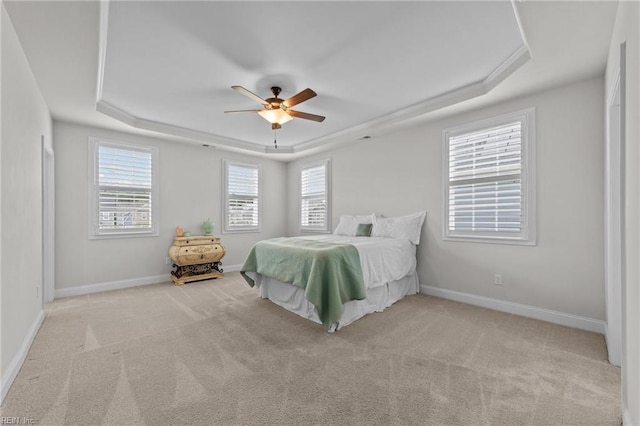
116,285
18,359
569,320
626,418
231,268
111,285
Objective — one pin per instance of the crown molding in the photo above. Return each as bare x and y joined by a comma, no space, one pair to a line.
350,135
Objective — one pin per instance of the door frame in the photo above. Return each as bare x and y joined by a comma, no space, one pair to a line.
614,215
48,222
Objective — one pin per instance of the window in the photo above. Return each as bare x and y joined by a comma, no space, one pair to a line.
489,192
124,191
242,197
314,197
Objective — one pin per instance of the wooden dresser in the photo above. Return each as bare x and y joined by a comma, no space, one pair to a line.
196,258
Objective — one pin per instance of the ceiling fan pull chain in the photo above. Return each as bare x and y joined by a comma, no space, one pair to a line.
274,139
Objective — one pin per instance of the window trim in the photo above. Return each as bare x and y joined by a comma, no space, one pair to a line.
327,164
94,231
528,178
225,198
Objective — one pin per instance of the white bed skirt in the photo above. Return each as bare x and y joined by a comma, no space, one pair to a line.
293,299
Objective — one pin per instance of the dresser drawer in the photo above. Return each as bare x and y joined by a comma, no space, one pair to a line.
195,240
193,255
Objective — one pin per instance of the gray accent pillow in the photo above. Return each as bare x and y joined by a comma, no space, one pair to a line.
364,230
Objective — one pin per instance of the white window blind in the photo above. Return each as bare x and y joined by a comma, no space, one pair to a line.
314,196
124,196
242,197
487,193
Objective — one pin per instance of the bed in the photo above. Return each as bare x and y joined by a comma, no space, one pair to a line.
337,279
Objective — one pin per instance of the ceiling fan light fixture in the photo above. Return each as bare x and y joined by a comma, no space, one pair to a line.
277,111
275,116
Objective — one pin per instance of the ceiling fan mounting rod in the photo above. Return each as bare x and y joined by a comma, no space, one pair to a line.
275,102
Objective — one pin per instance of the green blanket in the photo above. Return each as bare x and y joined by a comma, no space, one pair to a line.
330,274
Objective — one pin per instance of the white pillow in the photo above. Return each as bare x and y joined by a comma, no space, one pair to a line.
408,227
349,224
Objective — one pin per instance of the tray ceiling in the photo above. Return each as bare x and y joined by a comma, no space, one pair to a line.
168,66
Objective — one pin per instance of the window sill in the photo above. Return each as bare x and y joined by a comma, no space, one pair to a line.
116,235
490,240
241,231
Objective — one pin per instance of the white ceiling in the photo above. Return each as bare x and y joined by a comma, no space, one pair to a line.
167,66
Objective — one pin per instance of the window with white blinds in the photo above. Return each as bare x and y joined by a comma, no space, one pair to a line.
314,197
489,180
124,194
242,197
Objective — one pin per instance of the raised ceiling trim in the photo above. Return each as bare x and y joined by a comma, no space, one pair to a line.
446,99
505,69
173,130
517,59
102,47
349,135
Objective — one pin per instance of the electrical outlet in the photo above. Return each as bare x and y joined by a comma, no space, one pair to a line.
497,279
167,260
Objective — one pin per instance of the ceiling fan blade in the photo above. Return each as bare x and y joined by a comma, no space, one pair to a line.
306,115
249,94
300,97
244,110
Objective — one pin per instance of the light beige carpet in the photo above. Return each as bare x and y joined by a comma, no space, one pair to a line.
213,352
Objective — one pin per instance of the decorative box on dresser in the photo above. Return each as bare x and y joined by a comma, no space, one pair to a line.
196,258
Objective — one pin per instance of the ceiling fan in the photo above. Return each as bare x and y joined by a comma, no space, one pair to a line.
278,111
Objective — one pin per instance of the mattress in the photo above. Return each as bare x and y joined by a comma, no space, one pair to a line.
389,273
379,298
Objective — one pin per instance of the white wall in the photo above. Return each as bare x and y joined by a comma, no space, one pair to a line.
24,118
190,192
400,173
627,30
